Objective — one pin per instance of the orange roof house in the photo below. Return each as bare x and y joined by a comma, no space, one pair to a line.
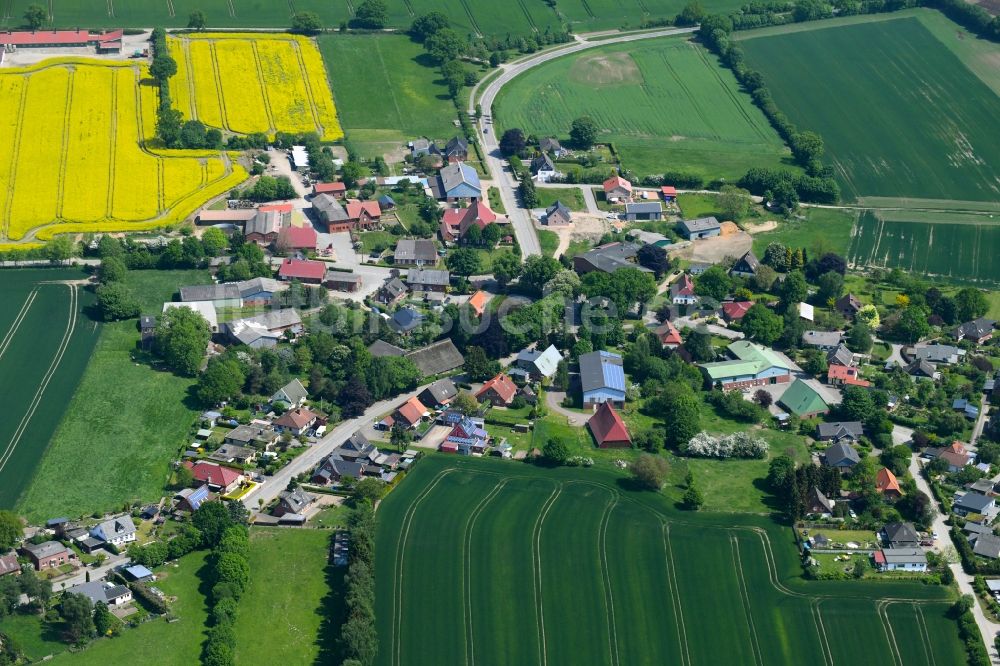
617,187
608,428
500,391
410,412
478,302
669,335
843,375
887,484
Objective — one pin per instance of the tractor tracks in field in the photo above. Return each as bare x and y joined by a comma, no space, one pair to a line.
46,379
609,596
675,596
64,148
13,158
470,645
824,642
745,596
16,324
536,572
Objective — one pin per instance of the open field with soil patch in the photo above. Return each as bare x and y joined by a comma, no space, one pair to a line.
901,115
666,104
484,561
45,342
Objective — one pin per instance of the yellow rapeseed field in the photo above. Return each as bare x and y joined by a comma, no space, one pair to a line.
254,83
72,154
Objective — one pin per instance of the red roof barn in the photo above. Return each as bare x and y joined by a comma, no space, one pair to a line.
335,189
608,428
303,270
297,238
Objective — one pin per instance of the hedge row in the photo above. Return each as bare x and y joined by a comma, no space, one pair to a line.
358,638
230,571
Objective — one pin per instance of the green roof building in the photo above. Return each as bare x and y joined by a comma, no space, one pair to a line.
751,365
803,400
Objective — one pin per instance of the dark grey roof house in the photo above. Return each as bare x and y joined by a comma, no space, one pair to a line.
439,393
842,456
643,210
745,266
558,213
608,258
415,252
839,430
840,356
383,348
901,535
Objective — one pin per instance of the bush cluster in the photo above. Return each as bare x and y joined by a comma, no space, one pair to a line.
230,571
736,445
358,638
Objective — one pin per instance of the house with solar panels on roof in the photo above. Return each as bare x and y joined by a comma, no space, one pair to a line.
602,379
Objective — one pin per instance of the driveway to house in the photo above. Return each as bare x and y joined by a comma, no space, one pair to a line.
977,429
988,628
501,177
312,456
96,573
553,400
714,329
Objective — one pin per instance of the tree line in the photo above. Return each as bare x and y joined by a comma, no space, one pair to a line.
358,638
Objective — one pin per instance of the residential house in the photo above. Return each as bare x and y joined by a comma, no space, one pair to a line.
499,391
745,266
644,210
222,480
234,453
840,356
342,281
478,302
191,499
848,305
751,365
204,308
296,421
303,270
602,379
427,279
900,535
543,169
48,555
608,429
551,145
292,502
219,295
617,188
253,435
537,365
335,469
702,227
259,291
9,564
363,214
698,267
669,193
101,592
735,310
116,531
986,545
948,354
803,400
410,413
955,455
456,182
900,559
337,189
294,238
557,215
919,369
843,456
392,292
436,358
682,291
331,212
849,431
385,202
264,330
842,375
456,222
608,258
819,504
292,394
975,504
466,437
969,410
358,448
668,334
887,484
824,340
456,150
406,320
439,394
415,252
978,330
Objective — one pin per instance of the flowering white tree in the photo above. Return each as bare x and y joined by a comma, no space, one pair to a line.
736,445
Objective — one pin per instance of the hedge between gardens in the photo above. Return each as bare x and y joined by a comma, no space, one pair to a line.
358,637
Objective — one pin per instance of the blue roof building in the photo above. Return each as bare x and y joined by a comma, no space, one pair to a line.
458,181
602,378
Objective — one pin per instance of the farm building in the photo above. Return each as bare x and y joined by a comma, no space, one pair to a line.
331,212
234,216
300,159
265,330
303,270
557,215
643,210
751,365
420,279
802,400
436,358
602,379
259,291
341,281
608,429
337,189
103,42
648,237
702,227
263,228
204,308
617,188
297,238
415,252
457,181
608,258
219,295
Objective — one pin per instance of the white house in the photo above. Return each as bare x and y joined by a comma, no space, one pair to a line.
117,531
900,559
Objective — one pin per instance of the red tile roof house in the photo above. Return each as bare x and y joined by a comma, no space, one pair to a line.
295,421
608,428
840,375
500,391
9,564
303,270
410,413
669,335
735,310
219,479
363,213
297,238
338,189
617,187
456,221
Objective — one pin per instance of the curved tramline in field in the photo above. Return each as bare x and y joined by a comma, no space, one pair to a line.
248,83
77,158
484,562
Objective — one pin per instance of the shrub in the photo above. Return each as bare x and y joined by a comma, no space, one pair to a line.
736,445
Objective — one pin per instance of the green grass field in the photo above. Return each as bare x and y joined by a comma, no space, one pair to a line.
665,103
386,92
506,563
901,115
572,198
123,425
958,247
46,339
548,240
823,230
289,594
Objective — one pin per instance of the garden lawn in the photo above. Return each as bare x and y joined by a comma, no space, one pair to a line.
132,418
289,595
666,104
549,241
174,644
698,205
30,635
572,198
387,92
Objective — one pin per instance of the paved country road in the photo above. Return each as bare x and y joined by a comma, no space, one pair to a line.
520,218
